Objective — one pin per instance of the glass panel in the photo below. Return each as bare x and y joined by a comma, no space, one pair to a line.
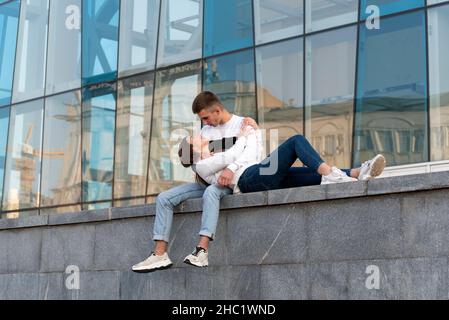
176,88
389,6
138,35
330,76
64,46
429,2
323,14
228,26
278,19
99,104
97,206
29,77
22,215
181,31
392,91
23,158
4,123
280,89
61,161
100,40
439,82
231,77
129,203
9,20
135,100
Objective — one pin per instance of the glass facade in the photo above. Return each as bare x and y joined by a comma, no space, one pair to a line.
95,95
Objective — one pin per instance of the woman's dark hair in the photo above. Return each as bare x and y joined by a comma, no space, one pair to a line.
185,154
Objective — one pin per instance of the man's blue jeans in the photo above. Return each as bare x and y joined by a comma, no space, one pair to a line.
259,178
166,201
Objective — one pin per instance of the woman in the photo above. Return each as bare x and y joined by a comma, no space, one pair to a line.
276,171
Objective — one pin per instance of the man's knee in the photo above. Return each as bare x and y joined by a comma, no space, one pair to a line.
214,191
299,138
163,200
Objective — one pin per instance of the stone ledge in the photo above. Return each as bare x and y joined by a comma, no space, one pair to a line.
402,184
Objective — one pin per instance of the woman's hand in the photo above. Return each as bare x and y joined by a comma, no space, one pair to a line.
250,122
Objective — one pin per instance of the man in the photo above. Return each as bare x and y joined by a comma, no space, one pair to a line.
218,124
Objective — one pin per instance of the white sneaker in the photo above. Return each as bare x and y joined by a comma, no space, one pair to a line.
372,168
199,258
336,176
153,263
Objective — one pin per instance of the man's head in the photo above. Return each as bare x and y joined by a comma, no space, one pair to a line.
209,108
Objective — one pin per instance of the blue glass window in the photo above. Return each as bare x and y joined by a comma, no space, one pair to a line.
389,6
4,122
228,26
9,14
391,112
231,77
100,40
99,105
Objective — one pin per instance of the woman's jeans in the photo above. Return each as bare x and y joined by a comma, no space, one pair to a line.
276,171
168,200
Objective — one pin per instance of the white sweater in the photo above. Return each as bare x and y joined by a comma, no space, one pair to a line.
247,151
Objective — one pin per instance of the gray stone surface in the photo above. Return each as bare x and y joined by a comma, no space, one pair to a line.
20,250
328,281
28,222
245,200
122,243
355,229
346,190
306,194
19,286
133,212
80,217
424,278
284,282
207,284
101,285
68,245
51,287
243,283
254,234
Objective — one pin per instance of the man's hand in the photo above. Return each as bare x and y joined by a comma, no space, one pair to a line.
225,178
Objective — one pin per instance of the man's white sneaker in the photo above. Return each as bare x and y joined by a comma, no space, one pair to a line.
199,258
153,263
372,168
336,176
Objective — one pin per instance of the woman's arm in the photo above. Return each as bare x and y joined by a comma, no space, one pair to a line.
209,166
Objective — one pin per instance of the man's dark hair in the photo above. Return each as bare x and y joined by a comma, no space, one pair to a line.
205,100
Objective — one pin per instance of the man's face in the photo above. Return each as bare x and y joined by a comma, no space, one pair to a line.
211,116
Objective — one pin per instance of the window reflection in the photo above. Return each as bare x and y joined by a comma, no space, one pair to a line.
135,100
9,21
323,14
138,35
98,141
4,123
439,82
29,78
280,89
61,159
23,160
390,6
278,19
392,90
330,74
100,40
231,77
181,31
176,88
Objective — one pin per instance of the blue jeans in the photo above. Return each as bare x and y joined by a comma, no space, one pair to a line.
166,201
261,178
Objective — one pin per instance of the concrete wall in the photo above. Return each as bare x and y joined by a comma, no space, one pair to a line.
307,243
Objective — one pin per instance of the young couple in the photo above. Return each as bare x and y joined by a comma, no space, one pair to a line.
236,169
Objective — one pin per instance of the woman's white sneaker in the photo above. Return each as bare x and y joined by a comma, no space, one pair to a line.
336,176
199,258
372,168
153,263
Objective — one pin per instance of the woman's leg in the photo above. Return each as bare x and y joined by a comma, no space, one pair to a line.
303,177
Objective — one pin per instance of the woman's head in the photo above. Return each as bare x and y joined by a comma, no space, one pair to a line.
190,149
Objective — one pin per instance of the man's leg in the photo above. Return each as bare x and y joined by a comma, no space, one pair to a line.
165,204
303,177
211,209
